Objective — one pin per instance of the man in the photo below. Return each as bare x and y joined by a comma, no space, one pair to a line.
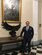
28,35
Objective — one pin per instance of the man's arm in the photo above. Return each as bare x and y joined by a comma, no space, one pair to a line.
32,32
22,32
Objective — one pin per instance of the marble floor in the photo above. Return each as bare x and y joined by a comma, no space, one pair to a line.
35,50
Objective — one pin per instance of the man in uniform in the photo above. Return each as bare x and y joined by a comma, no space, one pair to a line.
27,37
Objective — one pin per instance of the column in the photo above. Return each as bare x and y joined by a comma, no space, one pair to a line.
35,20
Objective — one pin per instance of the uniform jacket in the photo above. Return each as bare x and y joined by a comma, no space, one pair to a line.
27,34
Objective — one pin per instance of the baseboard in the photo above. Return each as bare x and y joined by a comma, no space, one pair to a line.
36,42
40,41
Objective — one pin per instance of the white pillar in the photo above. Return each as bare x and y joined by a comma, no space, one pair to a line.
35,19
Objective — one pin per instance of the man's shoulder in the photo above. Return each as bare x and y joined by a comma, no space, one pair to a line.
24,27
31,27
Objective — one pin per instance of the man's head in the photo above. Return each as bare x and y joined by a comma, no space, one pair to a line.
27,23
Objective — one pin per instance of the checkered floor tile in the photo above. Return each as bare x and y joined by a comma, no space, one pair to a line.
35,50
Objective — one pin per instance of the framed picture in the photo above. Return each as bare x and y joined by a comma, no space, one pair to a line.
11,10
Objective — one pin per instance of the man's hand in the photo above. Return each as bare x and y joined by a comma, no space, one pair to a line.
18,37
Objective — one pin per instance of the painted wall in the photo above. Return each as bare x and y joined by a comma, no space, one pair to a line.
26,15
40,19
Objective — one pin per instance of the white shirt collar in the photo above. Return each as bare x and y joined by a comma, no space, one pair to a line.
27,27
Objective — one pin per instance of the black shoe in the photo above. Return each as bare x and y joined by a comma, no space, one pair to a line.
14,53
29,53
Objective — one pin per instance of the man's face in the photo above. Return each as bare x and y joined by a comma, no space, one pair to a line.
27,23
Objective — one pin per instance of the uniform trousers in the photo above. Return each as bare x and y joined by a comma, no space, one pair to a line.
23,46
